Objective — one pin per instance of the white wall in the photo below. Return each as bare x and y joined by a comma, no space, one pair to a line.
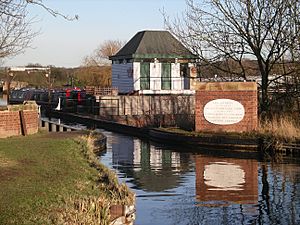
126,82
122,77
155,74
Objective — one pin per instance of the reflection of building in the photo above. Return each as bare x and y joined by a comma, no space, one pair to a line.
132,151
152,168
230,180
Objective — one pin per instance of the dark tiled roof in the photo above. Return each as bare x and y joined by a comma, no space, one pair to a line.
153,44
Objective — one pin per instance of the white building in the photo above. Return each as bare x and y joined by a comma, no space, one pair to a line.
153,62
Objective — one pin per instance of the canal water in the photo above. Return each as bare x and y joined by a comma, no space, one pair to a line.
181,186
3,101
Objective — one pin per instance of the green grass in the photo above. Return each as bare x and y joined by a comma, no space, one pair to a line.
39,174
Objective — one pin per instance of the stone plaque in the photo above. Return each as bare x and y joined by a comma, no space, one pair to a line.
224,111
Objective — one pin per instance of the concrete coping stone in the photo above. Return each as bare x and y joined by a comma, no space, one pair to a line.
227,86
27,105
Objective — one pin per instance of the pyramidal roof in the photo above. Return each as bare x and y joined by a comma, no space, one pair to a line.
153,44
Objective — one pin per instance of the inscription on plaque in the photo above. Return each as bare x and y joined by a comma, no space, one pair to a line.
224,111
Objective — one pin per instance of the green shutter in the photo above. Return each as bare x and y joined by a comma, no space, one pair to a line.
166,76
145,76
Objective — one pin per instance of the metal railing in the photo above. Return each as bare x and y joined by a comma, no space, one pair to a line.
107,91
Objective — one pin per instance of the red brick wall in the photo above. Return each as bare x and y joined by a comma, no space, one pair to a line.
242,92
32,121
10,123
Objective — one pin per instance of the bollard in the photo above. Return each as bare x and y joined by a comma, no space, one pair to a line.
53,127
47,126
61,128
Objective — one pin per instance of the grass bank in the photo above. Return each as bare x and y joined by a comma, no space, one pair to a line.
55,179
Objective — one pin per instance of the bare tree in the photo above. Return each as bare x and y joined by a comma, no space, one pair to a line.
227,31
100,56
16,33
96,67
53,12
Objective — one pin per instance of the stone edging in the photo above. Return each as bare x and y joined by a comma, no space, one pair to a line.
209,140
222,141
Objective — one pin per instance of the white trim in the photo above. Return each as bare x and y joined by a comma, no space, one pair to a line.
136,76
166,92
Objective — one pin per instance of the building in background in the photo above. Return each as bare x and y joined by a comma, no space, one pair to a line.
153,62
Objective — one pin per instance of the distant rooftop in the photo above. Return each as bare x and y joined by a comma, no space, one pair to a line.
153,44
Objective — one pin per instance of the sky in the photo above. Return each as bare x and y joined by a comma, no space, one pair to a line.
65,43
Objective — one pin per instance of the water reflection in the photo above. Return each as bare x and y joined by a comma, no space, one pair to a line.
3,100
181,187
152,169
226,180
280,193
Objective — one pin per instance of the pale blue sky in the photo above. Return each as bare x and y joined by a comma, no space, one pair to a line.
64,43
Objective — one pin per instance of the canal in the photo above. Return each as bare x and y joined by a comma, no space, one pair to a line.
181,186
3,101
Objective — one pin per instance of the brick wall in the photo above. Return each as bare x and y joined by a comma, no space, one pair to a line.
31,121
244,93
10,122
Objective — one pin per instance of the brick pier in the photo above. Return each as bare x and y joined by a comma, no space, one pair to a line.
18,120
244,93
